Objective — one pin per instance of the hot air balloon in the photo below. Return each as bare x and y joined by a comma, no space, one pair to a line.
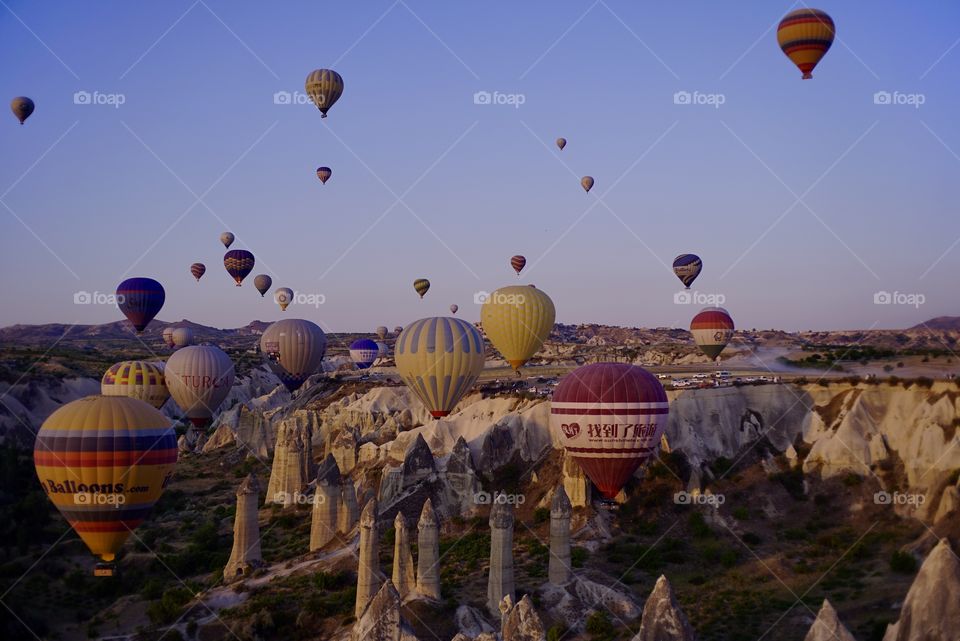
293,348
440,360
168,336
561,143
454,308
687,267
383,350
199,377
239,263
609,418
140,299
227,239
103,462
198,270
712,329
324,87
283,296
421,285
805,35
262,283
587,183
363,352
136,379
182,337
517,319
21,107
397,330
518,262
324,173
381,331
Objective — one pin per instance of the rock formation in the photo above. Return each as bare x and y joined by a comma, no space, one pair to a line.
575,482
349,510
500,581
369,577
245,555
520,622
662,618
418,463
380,619
827,626
403,573
460,478
560,510
290,472
428,552
344,449
931,611
326,504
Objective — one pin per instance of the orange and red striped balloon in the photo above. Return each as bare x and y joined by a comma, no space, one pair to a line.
805,35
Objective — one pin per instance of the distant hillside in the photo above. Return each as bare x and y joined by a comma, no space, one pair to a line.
948,323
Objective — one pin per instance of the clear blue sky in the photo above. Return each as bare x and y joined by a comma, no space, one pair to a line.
100,187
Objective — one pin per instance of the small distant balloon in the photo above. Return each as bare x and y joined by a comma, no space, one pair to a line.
238,263
324,87
283,296
398,329
561,143
227,239
140,299
454,308
168,335
182,337
518,262
587,183
198,270
805,36
421,285
382,331
22,107
262,282
324,173
687,267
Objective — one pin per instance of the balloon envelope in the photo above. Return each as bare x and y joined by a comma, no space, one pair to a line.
199,377
440,360
227,239
587,183
324,87
687,267
363,352
182,337
518,262
421,285
283,296
517,319
198,270
382,331
140,299
21,107
168,336
294,349
262,283
324,173
805,36
103,462
136,379
712,329
609,418
454,308
383,350
561,143
238,263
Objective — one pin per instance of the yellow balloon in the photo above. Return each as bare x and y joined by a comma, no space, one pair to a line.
439,359
517,320
104,461
136,379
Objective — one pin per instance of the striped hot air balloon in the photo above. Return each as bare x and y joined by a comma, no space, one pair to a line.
609,418
518,262
238,263
712,329
104,462
421,285
517,320
687,267
140,299
199,377
324,87
324,173
198,270
363,352
440,360
805,35
136,379
294,349
262,283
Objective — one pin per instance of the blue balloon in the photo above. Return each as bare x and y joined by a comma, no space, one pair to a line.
140,299
364,352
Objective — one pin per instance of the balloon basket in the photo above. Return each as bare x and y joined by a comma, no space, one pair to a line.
610,505
105,569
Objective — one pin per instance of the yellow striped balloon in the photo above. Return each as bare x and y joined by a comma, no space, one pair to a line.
421,285
517,320
805,36
104,461
136,379
439,359
324,87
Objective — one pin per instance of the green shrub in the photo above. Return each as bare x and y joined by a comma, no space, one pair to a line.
903,562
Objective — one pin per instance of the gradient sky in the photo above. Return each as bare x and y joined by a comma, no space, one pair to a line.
98,192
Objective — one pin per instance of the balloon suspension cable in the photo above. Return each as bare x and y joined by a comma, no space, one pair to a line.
807,76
